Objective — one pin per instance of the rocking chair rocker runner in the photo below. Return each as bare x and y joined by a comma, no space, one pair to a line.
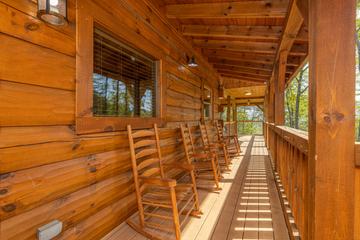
205,163
217,147
160,200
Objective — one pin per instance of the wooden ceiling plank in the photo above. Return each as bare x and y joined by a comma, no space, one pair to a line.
241,9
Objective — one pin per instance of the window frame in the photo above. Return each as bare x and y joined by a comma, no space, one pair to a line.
211,110
89,16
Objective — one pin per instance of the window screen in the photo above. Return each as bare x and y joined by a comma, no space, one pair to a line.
124,80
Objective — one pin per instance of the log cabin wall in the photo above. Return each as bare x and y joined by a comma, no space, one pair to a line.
49,172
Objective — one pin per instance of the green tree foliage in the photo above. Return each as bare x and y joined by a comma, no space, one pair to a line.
357,93
296,101
249,113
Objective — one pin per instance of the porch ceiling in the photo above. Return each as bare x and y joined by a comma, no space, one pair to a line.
240,38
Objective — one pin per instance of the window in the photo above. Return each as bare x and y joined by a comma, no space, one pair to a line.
119,77
207,96
124,80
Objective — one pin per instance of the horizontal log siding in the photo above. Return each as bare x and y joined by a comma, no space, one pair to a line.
48,172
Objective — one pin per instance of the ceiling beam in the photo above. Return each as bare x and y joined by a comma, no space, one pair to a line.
243,69
242,78
240,60
225,53
241,9
236,63
229,85
241,73
234,32
239,56
249,97
240,46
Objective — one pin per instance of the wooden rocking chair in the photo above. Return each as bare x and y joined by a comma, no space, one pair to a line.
207,172
217,147
234,147
160,200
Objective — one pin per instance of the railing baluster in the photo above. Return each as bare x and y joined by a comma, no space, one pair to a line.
288,149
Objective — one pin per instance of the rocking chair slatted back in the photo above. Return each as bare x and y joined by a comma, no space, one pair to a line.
205,163
145,153
219,131
188,142
204,135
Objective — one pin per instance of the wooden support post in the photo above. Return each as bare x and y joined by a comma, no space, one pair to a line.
331,119
235,118
271,111
280,88
228,113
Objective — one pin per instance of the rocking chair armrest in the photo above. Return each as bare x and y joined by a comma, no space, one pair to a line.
184,166
162,182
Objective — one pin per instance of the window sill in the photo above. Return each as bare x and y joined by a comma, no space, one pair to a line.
85,125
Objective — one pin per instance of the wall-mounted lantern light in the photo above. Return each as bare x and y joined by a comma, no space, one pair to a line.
221,92
53,11
192,62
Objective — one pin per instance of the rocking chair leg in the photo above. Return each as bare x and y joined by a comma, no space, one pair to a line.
175,213
237,145
197,205
226,158
214,167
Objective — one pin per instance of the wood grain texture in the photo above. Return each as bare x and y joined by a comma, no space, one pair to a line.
49,172
331,119
29,105
24,62
18,24
227,10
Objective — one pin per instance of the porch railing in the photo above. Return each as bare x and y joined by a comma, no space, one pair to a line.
288,149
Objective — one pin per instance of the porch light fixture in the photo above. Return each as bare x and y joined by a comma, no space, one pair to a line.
53,11
221,92
248,93
192,62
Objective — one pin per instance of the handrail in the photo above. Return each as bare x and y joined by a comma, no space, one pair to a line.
295,137
300,139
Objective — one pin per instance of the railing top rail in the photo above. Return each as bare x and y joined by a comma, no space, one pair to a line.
295,137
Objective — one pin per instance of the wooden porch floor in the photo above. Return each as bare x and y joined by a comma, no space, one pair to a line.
248,207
